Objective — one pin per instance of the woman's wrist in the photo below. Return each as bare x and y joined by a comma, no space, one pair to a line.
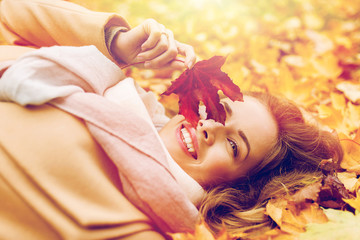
111,35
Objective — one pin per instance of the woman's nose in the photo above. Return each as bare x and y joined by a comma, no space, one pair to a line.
208,130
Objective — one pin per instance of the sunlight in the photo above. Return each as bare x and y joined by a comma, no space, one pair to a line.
200,4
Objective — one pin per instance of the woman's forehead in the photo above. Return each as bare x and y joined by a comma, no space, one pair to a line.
255,120
248,104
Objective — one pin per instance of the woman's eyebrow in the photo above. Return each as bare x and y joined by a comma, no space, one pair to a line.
241,133
227,108
246,141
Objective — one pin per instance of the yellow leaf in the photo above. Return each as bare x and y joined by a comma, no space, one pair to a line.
342,225
354,202
352,117
286,81
351,160
294,60
332,118
338,101
327,65
292,23
322,43
313,21
350,90
343,41
349,179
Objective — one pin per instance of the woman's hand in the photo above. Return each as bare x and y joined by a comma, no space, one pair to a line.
153,44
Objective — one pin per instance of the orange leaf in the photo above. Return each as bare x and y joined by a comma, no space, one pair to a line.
293,218
351,160
276,234
202,232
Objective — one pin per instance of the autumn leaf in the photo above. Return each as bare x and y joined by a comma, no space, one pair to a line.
354,202
351,90
332,193
275,234
351,160
201,232
201,83
307,193
350,180
291,217
341,225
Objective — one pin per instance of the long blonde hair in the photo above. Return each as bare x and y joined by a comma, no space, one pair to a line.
291,164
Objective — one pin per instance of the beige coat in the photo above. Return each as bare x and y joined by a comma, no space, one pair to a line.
55,181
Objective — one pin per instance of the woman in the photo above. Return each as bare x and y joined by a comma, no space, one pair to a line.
291,163
261,147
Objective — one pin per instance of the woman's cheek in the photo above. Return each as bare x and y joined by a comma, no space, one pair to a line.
219,168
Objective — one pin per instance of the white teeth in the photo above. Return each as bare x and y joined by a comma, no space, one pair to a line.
187,140
185,133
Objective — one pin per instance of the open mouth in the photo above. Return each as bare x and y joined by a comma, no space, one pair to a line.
188,142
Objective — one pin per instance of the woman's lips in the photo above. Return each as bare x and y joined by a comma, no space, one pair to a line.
192,145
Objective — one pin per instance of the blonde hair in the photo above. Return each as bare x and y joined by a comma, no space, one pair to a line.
292,163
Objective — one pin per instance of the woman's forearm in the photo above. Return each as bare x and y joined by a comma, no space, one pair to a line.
45,23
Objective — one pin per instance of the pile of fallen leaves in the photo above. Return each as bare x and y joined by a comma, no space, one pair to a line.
305,50
326,209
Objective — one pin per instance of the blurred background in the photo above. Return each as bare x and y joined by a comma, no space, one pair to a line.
305,50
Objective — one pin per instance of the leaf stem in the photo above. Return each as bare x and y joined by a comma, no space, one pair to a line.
344,139
131,64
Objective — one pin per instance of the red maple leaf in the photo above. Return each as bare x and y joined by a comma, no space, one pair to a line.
201,83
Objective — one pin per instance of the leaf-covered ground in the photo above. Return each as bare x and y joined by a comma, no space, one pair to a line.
305,50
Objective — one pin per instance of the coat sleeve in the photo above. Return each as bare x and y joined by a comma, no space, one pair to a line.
41,23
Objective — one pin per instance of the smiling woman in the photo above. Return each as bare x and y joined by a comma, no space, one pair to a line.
213,153
290,159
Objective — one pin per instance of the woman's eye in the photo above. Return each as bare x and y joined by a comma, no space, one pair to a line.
234,147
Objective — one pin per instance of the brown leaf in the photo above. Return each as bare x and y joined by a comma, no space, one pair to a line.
310,192
332,193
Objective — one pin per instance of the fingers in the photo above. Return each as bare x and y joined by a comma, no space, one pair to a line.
153,29
188,52
162,53
160,49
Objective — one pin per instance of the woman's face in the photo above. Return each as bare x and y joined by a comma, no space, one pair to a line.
213,153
